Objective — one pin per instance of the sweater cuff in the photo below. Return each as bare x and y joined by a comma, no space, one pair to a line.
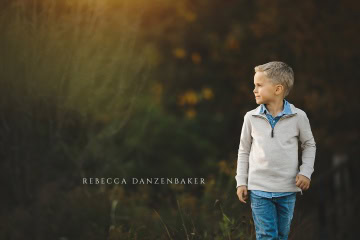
306,173
241,181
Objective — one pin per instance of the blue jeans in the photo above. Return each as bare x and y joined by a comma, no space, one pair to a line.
272,216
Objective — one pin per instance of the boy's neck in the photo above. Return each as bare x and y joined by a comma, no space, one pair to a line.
275,107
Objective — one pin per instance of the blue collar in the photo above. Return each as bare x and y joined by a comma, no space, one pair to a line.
286,110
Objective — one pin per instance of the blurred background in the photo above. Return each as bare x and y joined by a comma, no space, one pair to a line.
136,88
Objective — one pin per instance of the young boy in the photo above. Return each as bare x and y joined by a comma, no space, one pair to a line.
267,162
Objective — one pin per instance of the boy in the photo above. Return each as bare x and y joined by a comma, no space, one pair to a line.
267,162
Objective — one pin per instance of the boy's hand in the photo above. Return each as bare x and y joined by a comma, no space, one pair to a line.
242,193
302,182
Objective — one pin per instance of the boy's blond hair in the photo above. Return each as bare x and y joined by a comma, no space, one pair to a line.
278,73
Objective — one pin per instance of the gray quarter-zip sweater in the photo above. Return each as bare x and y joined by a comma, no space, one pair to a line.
268,158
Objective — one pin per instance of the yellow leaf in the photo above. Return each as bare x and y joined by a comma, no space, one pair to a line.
179,53
191,97
207,93
196,58
191,113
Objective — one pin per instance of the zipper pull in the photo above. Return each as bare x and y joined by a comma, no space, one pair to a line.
272,133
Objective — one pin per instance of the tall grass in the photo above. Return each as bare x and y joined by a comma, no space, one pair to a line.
80,54
84,57
71,74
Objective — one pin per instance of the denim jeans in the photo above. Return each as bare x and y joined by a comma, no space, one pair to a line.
272,216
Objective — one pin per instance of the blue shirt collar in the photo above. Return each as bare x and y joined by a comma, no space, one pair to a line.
286,110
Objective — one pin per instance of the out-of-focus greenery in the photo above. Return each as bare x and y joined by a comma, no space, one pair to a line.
155,89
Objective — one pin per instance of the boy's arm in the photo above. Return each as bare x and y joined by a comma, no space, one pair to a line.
243,153
308,147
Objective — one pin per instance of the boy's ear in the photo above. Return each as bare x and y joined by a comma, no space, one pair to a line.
279,88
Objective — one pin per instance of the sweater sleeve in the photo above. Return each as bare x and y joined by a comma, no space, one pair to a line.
308,146
243,153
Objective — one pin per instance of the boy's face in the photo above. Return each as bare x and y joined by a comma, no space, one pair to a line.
265,91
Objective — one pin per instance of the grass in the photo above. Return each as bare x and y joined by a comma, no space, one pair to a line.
75,80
